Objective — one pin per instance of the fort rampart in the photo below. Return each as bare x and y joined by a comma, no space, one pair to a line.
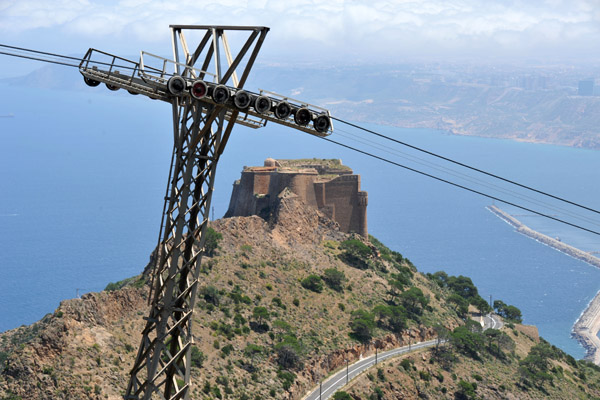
327,185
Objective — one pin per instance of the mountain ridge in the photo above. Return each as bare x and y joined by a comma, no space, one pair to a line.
463,100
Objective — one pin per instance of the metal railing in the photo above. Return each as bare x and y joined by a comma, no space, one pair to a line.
152,80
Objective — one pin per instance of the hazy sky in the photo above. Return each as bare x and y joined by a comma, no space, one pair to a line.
321,30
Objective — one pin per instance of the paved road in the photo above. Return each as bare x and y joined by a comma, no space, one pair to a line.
491,321
338,381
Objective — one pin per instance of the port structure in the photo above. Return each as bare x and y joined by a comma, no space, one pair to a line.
205,106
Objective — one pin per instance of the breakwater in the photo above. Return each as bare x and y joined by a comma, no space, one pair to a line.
587,325
547,240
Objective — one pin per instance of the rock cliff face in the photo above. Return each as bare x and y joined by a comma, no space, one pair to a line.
326,185
75,353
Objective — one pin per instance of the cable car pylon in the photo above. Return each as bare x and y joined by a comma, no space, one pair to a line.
205,107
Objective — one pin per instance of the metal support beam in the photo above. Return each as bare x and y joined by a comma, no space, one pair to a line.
201,129
162,367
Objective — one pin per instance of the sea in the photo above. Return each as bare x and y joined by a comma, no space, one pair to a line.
83,174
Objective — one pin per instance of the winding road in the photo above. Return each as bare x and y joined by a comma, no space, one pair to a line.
339,380
491,321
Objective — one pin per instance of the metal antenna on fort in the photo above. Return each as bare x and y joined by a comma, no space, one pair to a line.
205,108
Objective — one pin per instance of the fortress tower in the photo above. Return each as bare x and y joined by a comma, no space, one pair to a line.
327,185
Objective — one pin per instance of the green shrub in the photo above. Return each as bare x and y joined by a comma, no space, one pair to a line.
362,325
287,378
277,301
342,396
239,320
134,281
213,238
253,349
222,380
334,278
3,357
261,314
216,392
289,352
377,394
211,295
380,374
313,282
355,253
466,391
508,312
197,357
226,350
535,367
406,364
467,342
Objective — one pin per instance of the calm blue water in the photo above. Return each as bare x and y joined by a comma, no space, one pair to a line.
82,176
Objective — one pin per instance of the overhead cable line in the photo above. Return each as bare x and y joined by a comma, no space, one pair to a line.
65,57
459,185
39,59
353,148
40,52
464,165
364,141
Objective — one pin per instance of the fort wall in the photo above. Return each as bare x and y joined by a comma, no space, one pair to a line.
333,189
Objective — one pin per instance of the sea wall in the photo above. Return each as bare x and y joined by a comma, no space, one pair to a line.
587,326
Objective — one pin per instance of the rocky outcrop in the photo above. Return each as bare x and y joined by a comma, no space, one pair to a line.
77,337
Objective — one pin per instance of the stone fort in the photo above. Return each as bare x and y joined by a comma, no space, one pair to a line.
327,185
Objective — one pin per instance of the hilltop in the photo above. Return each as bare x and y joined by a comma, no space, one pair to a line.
285,300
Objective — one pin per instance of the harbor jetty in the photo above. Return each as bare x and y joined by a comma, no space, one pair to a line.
587,326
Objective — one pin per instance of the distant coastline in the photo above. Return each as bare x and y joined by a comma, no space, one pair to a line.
586,328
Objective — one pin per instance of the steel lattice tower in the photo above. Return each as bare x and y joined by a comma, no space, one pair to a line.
205,109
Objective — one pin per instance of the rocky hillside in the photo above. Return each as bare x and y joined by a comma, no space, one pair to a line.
532,369
556,117
283,302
